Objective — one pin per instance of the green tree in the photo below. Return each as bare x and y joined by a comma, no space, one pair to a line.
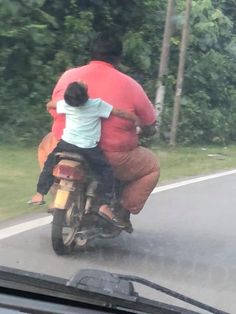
209,88
40,39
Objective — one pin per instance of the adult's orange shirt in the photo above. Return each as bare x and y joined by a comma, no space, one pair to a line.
116,88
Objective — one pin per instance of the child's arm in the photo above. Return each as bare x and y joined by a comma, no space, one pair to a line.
125,115
51,105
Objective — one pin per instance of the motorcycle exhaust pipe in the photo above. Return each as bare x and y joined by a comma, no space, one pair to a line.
90,193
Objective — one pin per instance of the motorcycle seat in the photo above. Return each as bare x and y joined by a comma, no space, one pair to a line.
71,156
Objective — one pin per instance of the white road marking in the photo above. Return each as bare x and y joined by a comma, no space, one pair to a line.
39,222
26,226
191,181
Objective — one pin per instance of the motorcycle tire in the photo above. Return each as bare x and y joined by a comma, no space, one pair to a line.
58,244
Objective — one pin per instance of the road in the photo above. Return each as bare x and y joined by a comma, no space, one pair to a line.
184,239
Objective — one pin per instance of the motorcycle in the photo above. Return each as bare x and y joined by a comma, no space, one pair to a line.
75,205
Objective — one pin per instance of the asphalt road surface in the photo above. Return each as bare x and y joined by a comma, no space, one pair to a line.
184,239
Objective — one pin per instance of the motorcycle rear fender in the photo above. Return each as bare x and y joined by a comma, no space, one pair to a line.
69,170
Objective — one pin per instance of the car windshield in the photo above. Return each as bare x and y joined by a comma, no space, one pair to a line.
117,142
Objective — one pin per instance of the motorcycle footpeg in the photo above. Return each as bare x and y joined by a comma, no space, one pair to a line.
89,233
129,229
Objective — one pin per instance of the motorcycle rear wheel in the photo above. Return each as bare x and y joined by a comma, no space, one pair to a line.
61,245
65,224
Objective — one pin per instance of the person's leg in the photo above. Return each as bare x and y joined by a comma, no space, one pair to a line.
101,167
46,146
141,169
46,177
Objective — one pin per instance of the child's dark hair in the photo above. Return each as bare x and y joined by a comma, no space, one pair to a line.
76,94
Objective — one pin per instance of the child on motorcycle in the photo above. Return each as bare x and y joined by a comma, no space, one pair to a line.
81,135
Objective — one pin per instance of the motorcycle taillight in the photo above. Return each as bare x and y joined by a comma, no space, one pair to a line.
68,172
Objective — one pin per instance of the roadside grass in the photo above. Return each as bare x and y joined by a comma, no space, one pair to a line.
19,171
18,175
182,162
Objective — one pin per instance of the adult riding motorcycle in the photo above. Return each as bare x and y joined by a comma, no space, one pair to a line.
75,205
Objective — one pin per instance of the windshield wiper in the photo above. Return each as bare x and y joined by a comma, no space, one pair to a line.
172,293
96,287
108,282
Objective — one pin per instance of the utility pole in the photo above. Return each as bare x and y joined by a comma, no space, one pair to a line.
163,67
180,76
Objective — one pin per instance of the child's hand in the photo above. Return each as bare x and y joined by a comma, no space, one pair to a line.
51,105
138,130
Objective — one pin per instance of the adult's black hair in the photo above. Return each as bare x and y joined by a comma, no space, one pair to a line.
107,47
76,94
